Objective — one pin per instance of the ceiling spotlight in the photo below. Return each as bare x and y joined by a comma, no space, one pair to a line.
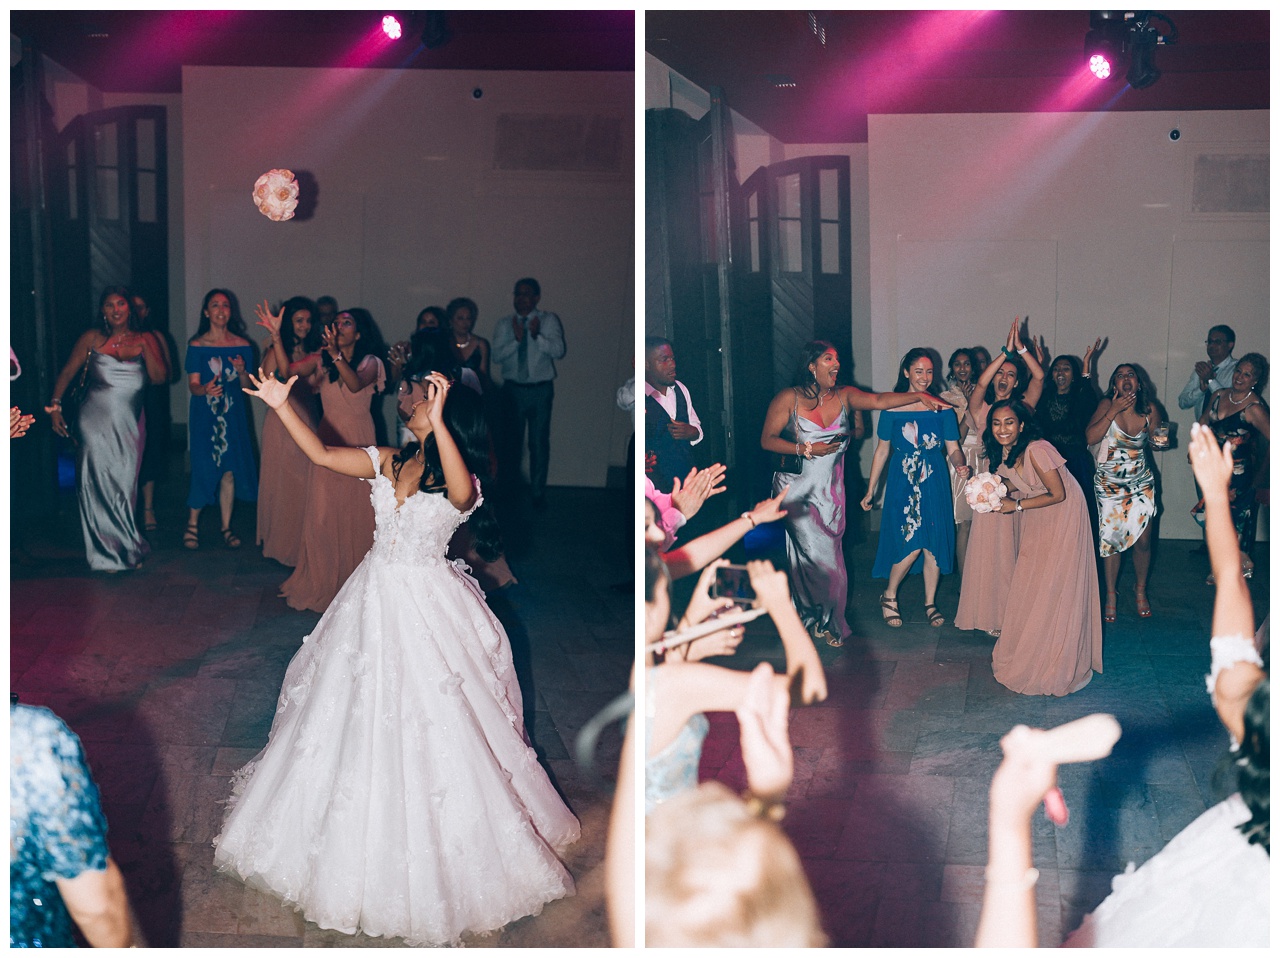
1104,43
1116,36
391,27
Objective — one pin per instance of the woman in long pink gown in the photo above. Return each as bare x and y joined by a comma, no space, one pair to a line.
293,350
993,543
338,531
1051,641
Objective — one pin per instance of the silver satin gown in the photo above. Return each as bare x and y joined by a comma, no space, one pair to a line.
815,522
111,440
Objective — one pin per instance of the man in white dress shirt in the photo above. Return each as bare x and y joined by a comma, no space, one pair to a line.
1215,374
526,345
671,425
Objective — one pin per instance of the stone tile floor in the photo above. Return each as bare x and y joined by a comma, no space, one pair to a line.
170,675
889,804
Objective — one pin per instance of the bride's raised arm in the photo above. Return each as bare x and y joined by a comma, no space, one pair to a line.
345,460
457,477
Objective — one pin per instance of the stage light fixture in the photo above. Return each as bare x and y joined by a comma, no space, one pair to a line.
391,27
1117,35
1104,43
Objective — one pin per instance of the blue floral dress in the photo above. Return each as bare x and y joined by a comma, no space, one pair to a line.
917,496
219,427
56,828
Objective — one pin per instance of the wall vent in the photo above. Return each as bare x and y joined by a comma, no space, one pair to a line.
1231,183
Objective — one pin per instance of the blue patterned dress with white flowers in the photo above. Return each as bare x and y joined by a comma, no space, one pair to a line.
917,496
56,828
219,427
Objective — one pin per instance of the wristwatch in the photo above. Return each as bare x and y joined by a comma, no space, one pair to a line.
1017,505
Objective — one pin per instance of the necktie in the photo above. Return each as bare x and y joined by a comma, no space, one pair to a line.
522,354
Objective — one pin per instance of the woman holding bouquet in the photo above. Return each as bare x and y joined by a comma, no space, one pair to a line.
917,531
993,544
1051,640
808,427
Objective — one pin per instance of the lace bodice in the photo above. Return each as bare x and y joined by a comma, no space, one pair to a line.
417,532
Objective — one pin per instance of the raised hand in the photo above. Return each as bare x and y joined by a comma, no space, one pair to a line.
1212,465
772,589
329,341
1122,402
763,714
1091,352
269,389
271,323
437,388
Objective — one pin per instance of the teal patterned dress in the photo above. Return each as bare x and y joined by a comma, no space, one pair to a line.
917,495
219,427
56,828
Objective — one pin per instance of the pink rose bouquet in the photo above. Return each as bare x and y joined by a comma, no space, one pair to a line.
276,194
984,491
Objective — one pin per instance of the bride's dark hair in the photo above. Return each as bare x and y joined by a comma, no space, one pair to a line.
1255,760
464,418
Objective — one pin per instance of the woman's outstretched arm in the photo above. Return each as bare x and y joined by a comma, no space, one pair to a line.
344,460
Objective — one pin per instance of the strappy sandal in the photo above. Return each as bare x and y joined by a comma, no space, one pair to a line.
1144,607
831,638
229,538
149,523
889,611
935,617
191,538
1109,610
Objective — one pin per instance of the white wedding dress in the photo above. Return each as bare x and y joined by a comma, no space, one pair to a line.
397,794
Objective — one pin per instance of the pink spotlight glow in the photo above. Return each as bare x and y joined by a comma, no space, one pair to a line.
391,27
1100,66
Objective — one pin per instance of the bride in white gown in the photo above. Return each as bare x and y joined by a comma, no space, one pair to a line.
398,794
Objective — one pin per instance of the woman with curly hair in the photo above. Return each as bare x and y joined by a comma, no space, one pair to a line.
1124,482
1238,415
807,428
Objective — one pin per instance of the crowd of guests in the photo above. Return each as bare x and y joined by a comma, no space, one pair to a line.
1072,472
318,523
1079,492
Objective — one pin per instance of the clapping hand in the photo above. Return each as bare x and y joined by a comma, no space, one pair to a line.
18,423
699,486
237,363
269,389
271,323
682,430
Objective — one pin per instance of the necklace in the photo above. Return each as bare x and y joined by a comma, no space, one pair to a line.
464,345
1238,402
